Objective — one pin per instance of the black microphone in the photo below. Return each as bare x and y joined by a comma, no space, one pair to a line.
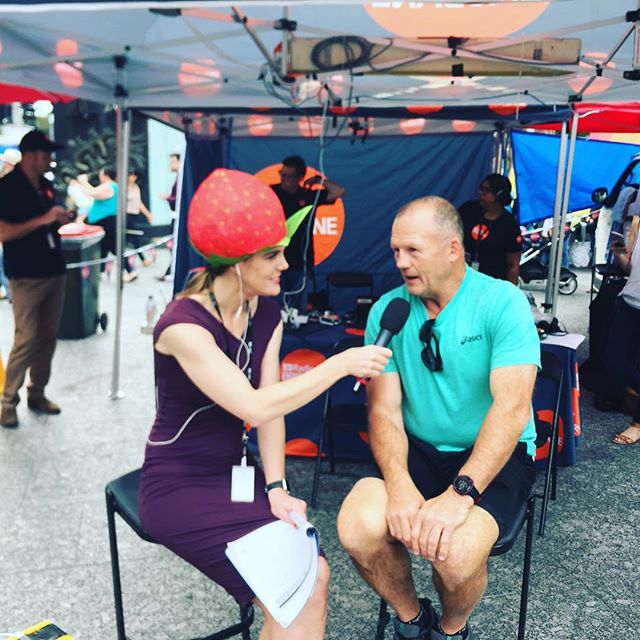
392,320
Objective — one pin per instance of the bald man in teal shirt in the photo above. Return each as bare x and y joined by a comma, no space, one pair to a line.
450,425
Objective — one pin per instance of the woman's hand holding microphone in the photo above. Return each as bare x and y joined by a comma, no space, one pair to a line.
365,362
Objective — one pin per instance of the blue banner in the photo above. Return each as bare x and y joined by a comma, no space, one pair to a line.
535,156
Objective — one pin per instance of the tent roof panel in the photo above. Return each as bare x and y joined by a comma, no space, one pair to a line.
201,57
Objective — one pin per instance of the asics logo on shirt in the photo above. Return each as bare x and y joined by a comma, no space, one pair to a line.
467,339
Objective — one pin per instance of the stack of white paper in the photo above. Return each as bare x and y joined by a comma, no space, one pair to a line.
569,340
280,564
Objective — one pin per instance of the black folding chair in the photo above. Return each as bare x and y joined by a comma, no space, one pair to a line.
339,416
551,369
122,498
504,544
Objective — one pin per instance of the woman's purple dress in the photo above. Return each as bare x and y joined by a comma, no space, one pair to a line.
185,487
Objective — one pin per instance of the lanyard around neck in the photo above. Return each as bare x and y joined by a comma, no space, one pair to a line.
246,339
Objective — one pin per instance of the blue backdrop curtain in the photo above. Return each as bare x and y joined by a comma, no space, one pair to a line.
535,156
380,176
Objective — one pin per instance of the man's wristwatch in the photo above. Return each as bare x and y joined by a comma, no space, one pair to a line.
277,484
463,486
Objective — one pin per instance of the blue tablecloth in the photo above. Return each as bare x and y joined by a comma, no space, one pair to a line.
305,347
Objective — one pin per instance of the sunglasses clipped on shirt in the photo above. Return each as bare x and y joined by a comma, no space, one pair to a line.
430,358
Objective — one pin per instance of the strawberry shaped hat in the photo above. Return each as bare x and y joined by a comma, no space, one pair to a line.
233,215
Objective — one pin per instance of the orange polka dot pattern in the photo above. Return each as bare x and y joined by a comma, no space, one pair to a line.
232,214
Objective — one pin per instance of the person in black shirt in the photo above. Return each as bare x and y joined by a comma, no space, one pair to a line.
34,264
299,253
492,236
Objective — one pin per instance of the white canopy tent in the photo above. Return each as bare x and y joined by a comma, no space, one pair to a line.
213,53
336,54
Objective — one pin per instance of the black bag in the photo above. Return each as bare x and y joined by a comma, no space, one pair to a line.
601,312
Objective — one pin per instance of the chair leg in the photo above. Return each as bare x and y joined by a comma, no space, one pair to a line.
316,473
383,620
524,593
554,479
245,613
115,568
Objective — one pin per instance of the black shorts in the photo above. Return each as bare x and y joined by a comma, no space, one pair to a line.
432,471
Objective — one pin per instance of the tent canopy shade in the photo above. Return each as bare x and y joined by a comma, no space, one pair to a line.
195,54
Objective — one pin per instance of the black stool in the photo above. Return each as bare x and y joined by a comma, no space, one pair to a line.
504,544
122,498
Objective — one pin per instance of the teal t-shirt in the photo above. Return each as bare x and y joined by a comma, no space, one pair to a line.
486,325
101,209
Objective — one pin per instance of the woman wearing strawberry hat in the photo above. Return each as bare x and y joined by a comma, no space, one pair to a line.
216,350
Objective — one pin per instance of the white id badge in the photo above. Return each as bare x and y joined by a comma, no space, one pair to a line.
242,482
475,265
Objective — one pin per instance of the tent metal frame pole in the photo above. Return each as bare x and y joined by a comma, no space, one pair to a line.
286,37
123,136
123,128
242,19
504,156
548,297
560,232
496,161
602,65
508,153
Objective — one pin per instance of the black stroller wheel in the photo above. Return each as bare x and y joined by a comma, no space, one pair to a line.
568,284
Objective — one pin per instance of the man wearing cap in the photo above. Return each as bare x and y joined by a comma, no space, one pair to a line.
292,196
33,262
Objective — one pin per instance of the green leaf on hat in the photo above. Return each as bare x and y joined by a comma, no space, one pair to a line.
293,224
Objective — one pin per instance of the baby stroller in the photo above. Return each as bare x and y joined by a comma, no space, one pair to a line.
532,268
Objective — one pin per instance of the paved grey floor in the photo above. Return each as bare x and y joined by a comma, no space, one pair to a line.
54,558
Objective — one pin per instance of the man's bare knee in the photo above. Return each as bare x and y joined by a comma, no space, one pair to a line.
470,547
460,567
361,521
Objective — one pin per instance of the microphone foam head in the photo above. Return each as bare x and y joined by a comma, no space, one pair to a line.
395,315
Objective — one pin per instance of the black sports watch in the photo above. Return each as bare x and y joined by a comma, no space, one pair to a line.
277,484
463,486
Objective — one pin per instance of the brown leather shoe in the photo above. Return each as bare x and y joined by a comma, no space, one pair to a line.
42,405
9,417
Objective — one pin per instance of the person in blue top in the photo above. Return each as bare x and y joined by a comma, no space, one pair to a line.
104,213
450,425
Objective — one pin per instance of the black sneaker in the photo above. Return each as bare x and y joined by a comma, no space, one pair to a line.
436,634
404,631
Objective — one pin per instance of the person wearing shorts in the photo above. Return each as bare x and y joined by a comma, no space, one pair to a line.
450,425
